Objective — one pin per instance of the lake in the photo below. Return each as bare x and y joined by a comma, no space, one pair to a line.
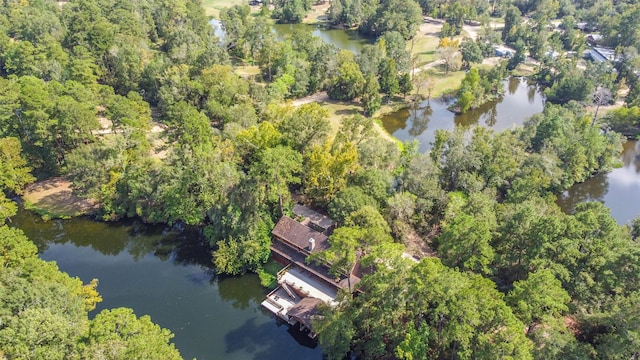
342,39
619,189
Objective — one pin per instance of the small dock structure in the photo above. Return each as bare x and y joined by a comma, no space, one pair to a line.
303,287
298,296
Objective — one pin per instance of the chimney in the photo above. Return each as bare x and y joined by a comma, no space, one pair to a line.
312,244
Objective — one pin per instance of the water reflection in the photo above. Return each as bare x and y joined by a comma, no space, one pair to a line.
342,39
618,189
421,118
520,101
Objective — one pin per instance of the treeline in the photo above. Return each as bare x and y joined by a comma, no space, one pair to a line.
303,64
188,140
515,276
45,311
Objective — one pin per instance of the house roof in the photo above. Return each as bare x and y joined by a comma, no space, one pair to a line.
305,310
315,217
298,235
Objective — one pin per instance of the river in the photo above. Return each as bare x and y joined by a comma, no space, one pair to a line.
166,273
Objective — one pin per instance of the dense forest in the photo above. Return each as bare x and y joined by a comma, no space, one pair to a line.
139,104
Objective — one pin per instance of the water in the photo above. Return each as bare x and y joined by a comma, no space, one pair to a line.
166,273
342,39
619,189
520,101
218,31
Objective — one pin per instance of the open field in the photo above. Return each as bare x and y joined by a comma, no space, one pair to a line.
213,7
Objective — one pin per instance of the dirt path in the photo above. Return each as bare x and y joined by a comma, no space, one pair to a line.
317,97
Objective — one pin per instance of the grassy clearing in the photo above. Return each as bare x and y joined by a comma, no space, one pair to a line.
317,14
423,47
213,7
443,83
247,71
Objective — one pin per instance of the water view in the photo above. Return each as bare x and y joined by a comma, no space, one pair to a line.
343,39
617,189
166,273
520,101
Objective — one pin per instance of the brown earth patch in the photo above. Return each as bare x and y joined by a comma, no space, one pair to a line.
54,198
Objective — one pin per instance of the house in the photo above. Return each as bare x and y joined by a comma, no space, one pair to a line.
602,54
314,219
299,237
302,286
594,39
503,51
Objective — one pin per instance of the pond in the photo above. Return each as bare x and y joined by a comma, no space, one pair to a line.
520,101
165,272
342,39
619,189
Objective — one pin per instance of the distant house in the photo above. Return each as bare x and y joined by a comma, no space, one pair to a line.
602,54
503,51
302,287
584,26
594,39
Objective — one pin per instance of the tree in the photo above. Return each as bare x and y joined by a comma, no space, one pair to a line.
306,126
291,11
370,98
465,239
512,21
389,79
395,47
448,53
471,52
393,15
326,170
540,298
519,57
276,169
347,201
14,171
405,84
348,82
120,334
405,309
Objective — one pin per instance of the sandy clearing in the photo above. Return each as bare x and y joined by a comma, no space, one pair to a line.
55,197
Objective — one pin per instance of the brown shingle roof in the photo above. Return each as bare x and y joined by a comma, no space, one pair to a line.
298,235
305,310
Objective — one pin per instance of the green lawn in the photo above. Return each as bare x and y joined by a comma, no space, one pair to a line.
424,48
213,7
